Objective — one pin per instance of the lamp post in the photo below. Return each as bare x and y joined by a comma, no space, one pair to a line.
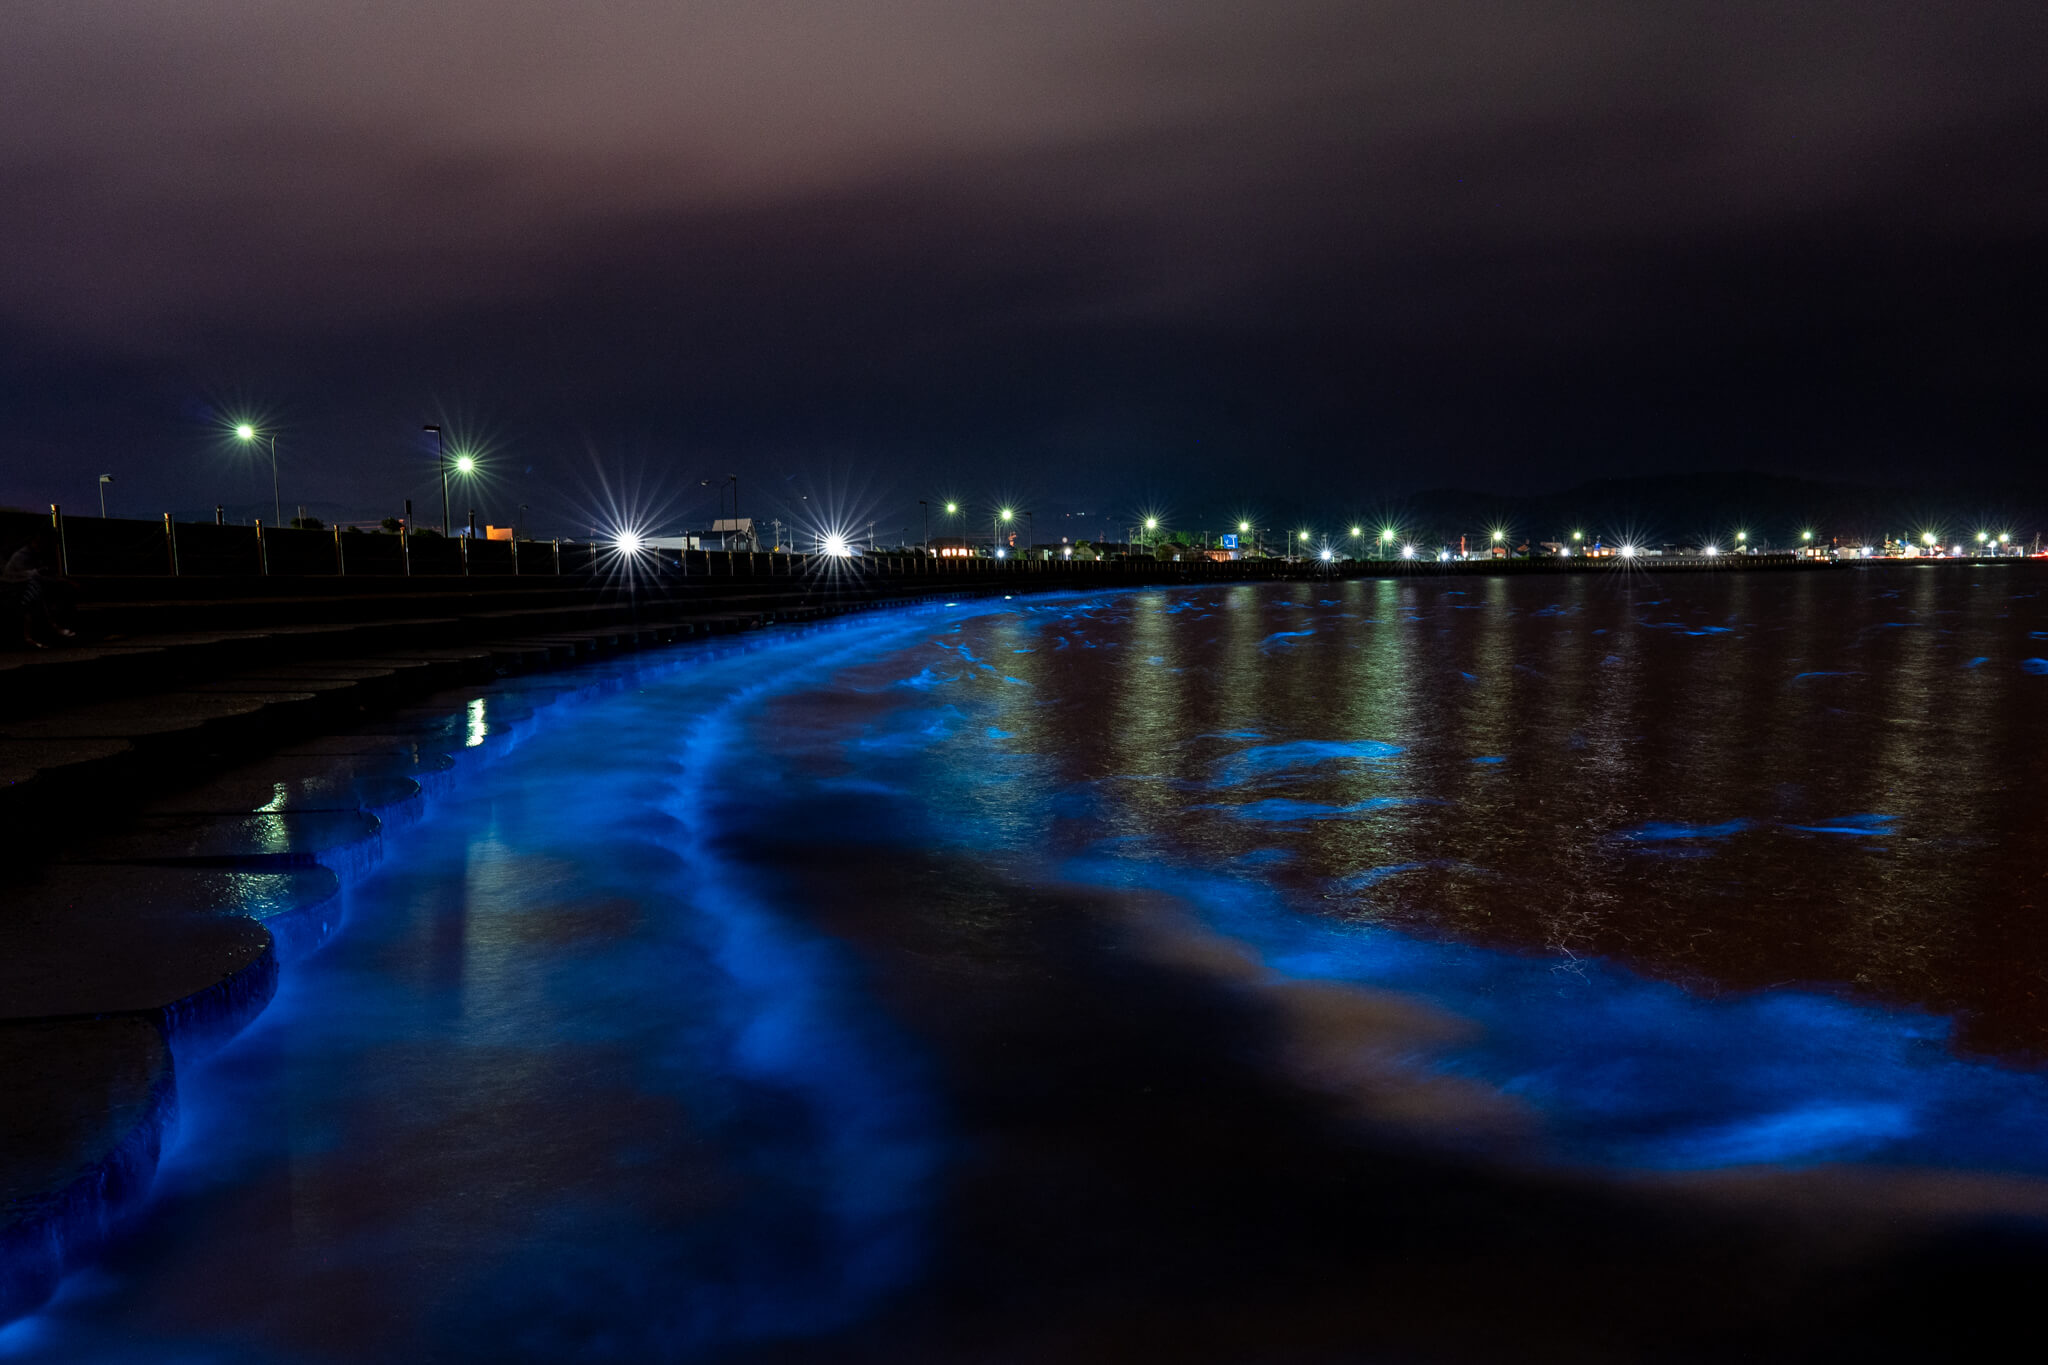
247,432
464,464
106,479
927,526
441,458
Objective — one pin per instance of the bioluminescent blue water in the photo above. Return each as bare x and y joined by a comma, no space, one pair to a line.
562,1062
614,1057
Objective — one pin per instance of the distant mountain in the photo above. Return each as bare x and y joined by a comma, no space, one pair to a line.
1699,508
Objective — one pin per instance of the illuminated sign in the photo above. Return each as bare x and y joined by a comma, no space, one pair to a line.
1228,542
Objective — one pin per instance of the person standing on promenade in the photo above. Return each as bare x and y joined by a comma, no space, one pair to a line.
36,593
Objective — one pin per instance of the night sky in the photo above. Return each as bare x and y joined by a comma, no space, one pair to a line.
1074,254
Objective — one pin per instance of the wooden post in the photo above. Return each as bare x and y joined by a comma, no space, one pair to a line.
262,551
63,550
171,541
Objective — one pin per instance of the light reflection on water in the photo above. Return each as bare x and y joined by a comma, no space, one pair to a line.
1601,820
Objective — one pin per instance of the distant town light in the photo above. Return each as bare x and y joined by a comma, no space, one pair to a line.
1713,550
1008,514
1002,554
1387,536
1578,535
1304,535
1927,537
951,508
1741,536
1407,552
837,547
1496,537
1563,552
1355,533
1982,537
628,542
1327,555
1808,535
1443,556
465,464
1955,549
1151,523
1628,552
1243,527
246,432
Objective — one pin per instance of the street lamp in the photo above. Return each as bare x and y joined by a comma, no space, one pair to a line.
246,432
464,464
105,479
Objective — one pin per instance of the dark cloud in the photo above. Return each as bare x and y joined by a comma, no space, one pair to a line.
1110,251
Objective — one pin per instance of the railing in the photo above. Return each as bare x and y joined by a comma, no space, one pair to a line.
117,547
